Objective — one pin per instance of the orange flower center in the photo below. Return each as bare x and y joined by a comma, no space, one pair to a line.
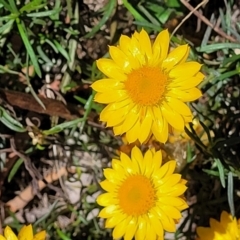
136,195
146,85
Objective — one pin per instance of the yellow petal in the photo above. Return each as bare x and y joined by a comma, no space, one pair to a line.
26,233
179,107
111,69
116,218
205,233
121,104
151,234
171,211
124,43
143,166
160,46
136,155
175,191
156,223
161,136
142,229
117,130
131,229
128,164
108,211
148,160
106,199
9,234
107,84
130,120
157,160
172,117
185,95
116,117
166,170
120,229
120,58
175,57
157,115
111,96
107,186
169,181
40,236
173,201
145,43
214,224
112,175
186,83
132,134
225,218
187,69
136,51
2,237
167,222
146,126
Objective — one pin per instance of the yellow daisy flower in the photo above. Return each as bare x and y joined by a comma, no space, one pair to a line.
146,88
26,233
143,197
227,229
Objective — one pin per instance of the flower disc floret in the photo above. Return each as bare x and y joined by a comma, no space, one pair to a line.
143,198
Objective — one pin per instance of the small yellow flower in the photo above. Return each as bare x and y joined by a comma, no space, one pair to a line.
227,229
146,88
26,233
143,197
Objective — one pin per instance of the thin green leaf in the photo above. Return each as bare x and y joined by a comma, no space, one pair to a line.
218,46
6,5
221,172
133,11
10,122
6,27
231,59
33,5
148,25
62,235
61,49
62,126
52,45
45,216
23,32
109,10
45,13
211,172
14,169
13,6
230,193
44,56
228,143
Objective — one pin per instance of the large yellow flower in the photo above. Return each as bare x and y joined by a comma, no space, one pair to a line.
26,233
227,229
143,197
146,88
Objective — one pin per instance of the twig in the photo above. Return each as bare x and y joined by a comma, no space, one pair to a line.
188,16
5,150
27,194
206,21
28,165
